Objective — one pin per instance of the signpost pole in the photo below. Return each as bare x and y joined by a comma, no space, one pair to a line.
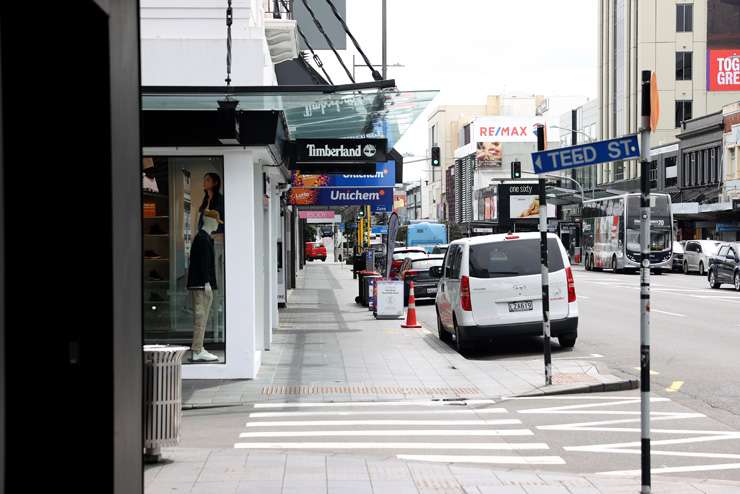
645,284
541,144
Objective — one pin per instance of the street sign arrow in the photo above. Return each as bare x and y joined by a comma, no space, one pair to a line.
621,148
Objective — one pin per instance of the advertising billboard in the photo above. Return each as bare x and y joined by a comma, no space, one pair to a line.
505,129
384,176
380,199
723,45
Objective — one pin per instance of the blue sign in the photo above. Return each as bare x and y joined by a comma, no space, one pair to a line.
384,176
379,199
551,160
380,229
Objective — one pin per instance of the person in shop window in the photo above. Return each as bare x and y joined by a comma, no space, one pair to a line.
212,199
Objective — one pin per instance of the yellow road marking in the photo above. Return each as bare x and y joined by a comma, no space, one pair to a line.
652,372
674,387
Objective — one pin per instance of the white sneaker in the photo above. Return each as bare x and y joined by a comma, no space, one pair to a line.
204,356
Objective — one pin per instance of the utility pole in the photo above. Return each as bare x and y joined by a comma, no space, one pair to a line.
384,61
541,145
645,125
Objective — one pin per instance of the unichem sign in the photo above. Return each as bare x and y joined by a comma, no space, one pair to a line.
354,195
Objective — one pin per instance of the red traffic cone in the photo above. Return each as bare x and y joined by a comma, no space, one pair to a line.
411,312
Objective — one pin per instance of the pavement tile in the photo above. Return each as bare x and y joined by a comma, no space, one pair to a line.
223,487
394,487
305,487
169,487
350,487
260,487
346,469
501,489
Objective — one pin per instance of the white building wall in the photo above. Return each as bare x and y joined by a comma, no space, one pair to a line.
183,43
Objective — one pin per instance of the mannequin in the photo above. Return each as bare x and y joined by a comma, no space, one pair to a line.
202,282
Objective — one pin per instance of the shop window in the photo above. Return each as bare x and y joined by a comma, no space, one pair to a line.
684,18
683,65
683,111
184,262
653,174
671,172
618,171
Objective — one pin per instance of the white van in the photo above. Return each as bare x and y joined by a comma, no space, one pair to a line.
492,286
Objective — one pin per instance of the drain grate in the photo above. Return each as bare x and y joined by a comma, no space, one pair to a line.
294,390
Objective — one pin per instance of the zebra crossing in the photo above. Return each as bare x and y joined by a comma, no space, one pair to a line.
450,431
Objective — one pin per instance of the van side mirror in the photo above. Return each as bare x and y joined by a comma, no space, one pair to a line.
435,271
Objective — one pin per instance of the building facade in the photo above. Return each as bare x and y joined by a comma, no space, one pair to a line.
687,44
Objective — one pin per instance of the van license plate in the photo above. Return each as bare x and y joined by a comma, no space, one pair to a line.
432,290
520,306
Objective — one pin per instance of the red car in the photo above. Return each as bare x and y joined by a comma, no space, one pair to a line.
315,250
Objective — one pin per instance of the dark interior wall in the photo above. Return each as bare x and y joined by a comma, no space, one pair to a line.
71,211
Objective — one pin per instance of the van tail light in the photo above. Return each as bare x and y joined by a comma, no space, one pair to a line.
571,285
465,294
410,273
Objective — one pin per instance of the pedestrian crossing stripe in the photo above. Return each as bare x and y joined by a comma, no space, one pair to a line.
392,432
393,445
459,410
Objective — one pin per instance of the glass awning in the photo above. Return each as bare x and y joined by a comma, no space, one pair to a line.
310,112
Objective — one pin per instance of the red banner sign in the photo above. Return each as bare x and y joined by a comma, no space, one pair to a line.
723,72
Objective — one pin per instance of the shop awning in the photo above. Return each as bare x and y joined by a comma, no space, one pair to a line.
376,109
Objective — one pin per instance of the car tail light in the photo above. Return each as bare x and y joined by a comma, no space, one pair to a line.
511,237
410,273
465,294
571,285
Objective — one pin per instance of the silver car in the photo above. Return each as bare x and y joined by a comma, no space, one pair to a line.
696,255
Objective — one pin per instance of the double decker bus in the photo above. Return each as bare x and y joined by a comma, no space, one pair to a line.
611,233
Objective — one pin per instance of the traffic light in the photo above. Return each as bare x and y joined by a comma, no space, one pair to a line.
361,214
516,169
435,156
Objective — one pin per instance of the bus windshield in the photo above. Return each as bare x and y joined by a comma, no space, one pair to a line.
660,223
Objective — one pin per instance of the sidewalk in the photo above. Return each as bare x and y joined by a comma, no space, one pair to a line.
330,349
236,471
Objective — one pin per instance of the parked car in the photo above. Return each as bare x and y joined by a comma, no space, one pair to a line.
491,286
315,250
425,286
725,266
440,249
677,256
399,254
696,255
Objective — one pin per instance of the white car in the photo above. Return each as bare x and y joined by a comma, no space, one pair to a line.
491,286
696,254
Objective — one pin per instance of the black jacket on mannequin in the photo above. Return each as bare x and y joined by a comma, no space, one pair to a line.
202,262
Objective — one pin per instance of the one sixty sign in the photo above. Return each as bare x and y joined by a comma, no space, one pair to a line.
621,148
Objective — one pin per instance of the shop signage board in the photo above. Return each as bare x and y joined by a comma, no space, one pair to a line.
340,150
380,229
621,148
315,214
723,71
384,176
380,199
389,299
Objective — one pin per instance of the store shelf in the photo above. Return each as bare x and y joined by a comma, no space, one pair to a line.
157,195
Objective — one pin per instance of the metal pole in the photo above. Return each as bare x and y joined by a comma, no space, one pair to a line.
384,61
541,145
645,284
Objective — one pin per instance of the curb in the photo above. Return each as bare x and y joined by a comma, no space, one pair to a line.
563,389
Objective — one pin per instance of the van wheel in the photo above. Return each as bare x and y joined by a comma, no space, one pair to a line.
614,264
459,342
567,341
713,280
444,335
685,267
701,269
737,282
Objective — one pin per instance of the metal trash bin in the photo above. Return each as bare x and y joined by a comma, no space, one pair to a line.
162,398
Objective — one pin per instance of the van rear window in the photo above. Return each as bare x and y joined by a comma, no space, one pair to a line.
512,258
